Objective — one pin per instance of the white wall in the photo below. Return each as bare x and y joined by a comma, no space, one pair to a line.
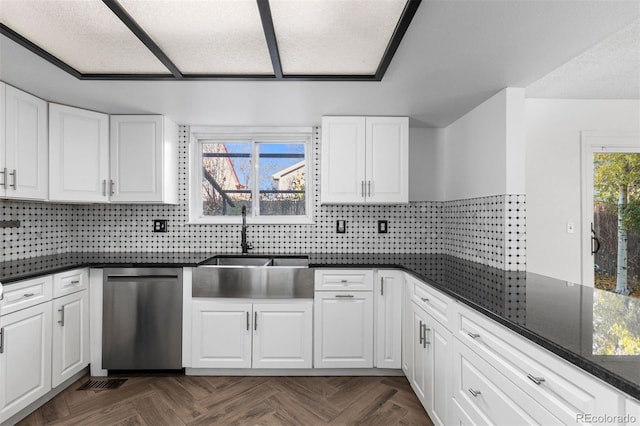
484,150
553,188
425,164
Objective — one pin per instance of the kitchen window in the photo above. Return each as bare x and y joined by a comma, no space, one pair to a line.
262,169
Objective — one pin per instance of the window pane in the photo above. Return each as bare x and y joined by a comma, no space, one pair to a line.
226,178
282,179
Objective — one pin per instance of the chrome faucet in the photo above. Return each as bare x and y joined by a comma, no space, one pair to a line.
245,246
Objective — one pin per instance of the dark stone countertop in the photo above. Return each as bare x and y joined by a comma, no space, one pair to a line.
585,326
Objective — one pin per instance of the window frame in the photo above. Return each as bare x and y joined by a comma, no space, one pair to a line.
254,135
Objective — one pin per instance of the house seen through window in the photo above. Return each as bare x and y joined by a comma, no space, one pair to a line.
268,176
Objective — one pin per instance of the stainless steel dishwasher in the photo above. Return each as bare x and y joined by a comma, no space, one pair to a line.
142,319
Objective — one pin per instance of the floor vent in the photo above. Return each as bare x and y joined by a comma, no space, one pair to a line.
97,385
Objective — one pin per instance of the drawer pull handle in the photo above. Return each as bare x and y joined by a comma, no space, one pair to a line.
474,392
536,380
75,282
344,295
424,299
344,281
28,294
473,335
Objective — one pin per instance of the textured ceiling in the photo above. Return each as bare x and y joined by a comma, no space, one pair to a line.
608,70
455,55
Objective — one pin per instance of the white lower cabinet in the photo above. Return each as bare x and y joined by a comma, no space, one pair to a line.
25,358
251,335
488,398
70,336
388,293
343,329
431,373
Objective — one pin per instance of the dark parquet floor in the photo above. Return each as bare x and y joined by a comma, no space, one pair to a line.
189,400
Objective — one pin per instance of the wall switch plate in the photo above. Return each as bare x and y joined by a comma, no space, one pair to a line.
159,225
383,227
570,228
341,226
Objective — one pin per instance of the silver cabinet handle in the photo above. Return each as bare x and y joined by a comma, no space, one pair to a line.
1,340
344,295
5,180
424,299
15,179
75,282
61,322
474,392
28,295
536,380
111,185
473,335
104,187
247,321
255,321
362,188
426,342
421,336
344,281
381,286
369,188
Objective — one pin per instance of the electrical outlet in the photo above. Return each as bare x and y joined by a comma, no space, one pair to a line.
570,228
341,226
159,225
383,227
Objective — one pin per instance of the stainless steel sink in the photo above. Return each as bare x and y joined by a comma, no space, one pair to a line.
239,261
260,277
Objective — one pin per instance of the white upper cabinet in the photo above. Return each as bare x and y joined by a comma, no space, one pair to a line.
365,160
23,145
144,159
79,155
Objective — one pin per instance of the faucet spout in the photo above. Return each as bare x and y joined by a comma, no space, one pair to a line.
245,246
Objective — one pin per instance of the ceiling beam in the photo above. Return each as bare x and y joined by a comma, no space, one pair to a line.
270,35
38,50
137,30
403,24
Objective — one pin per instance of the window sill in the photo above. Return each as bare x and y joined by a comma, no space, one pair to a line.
305,220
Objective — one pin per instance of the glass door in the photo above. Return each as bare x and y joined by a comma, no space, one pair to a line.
611,240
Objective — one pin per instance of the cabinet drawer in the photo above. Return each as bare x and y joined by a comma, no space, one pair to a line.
489,397
70,282
344,279
432,301
560,387
26,293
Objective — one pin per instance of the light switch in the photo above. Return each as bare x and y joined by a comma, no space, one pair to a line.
570,228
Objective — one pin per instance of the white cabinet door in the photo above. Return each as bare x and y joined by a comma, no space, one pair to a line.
419,379
343,330
25,358
342,160
432,352
387,153
388,322
70,336
283,335
221,334
144,159
438,347
24,154
79,155
407,331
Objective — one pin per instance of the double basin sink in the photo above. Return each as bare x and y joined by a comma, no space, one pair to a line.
254,276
